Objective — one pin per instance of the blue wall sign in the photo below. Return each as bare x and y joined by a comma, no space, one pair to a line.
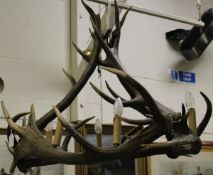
181,76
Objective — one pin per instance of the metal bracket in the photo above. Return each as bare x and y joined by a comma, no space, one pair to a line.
154,13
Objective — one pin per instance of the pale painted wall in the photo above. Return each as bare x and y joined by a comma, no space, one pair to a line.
34,46
147,56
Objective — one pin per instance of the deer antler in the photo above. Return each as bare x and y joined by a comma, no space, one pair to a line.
33,150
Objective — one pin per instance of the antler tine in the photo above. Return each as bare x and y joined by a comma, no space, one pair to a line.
183,110
124,17
95,18
68,137
83,122
117,25
84,56
109,99
114,94
102,94
135,103
75,134
18,116
32,121
15,118
71,78
10,122
117,17
207,116
66,142
185,118
90,11
136,122
118,30
101,41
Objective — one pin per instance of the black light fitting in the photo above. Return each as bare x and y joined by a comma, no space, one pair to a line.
192,43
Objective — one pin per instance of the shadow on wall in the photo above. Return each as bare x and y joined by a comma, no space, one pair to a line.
1,85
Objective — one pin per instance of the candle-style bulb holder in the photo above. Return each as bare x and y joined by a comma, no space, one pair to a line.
98,131
58,133
118,111
190,104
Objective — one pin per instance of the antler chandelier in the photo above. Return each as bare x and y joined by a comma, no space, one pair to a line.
33,150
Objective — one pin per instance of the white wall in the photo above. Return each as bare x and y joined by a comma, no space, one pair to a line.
146,55
34,46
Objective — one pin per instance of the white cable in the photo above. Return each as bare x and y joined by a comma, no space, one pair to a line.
101,105
109,11
199,5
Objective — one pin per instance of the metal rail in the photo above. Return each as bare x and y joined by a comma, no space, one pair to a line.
142,10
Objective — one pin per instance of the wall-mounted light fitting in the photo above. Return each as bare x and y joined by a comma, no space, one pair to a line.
192,43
